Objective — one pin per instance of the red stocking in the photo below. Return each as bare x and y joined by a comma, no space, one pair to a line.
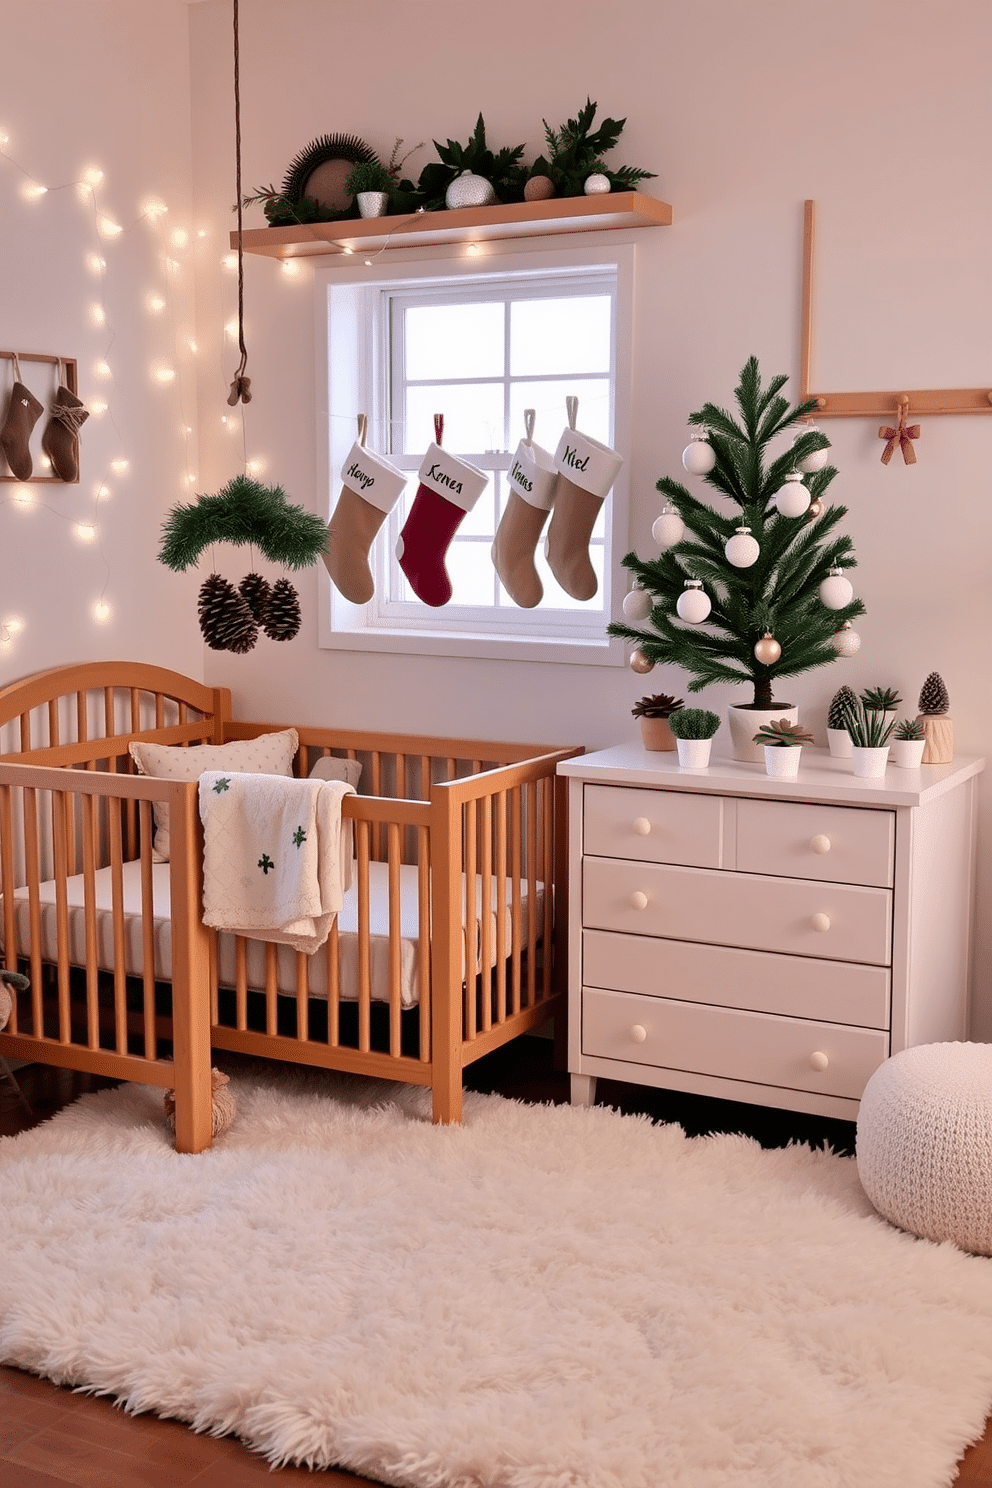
449,487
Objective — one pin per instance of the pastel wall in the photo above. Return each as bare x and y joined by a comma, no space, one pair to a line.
88,272
878,111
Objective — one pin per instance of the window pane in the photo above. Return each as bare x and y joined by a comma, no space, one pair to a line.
473,418
471,572
548,399
548,336
454,341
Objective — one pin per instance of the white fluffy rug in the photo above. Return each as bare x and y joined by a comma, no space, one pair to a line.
542,1298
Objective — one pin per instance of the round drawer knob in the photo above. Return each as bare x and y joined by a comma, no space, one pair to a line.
819,1060
642,826
638,899
820,922
820,843
638,1033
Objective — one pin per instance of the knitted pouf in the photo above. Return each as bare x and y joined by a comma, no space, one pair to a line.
924,1143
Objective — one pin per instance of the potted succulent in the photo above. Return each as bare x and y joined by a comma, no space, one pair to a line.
783,741
908,741
693,729
838,739
372,184
870,728
654,713
938,729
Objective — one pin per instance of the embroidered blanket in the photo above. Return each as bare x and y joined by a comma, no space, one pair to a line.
276,856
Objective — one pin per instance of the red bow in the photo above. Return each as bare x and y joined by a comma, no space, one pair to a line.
901,436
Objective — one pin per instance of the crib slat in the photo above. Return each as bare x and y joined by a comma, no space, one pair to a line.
424,940
7,890
61,806
32,874
53,722
395,940
271,988
148,931
115,825
471,920
364,945
302,1006
516,922
241,981
500,897
89,921
486,815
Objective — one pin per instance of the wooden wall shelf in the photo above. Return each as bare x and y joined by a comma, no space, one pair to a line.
467,225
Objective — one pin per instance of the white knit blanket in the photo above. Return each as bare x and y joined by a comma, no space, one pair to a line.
276,857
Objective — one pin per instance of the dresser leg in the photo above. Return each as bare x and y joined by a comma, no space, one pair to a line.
583,1090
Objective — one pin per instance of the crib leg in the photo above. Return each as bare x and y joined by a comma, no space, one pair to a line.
447,1101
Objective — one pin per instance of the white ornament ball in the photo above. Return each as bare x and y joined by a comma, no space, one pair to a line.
539,188
792,499
596,184
816,460
847,641
468,190
699,457
742,549
836,591
637,604
767,650
639,663
693,604
668,529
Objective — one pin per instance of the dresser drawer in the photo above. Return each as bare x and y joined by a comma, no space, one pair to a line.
652,826
827,921
790,1053
836,843
725,976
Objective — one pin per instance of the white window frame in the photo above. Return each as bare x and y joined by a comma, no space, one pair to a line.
351,373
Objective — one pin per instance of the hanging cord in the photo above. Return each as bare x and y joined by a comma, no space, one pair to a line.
241,386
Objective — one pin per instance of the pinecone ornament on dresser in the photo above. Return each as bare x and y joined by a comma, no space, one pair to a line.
283,616
225,619
938,729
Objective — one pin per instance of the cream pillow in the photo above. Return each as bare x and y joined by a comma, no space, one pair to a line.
329,767
269,754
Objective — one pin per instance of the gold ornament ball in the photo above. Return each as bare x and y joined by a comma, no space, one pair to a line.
539,188
815,508
767,650
639,662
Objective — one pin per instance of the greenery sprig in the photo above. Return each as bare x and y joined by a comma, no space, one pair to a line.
576,150
694,723
244,513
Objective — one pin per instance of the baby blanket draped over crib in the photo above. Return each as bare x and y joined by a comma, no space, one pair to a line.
276,856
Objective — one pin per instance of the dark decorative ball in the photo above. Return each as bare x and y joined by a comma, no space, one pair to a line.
283,616
225,619
256,592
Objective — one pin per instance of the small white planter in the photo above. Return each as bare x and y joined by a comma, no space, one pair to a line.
745,723
372,203
782,761
694,754
869,763
907,752
839,741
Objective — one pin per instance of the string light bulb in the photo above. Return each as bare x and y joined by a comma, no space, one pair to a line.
101,611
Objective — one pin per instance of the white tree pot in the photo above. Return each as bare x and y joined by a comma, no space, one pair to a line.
782,761
869,763
745,722
839,743
694,754
907,752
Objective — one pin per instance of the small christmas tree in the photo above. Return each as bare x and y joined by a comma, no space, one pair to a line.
759,593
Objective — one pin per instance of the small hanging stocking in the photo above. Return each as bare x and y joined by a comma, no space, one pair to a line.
60,439
586,471
370,488
531,480
23,412
449,487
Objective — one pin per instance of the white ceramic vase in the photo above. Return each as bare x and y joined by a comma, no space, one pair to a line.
372,203
839,743
782,761
869,763
694,754
745,723
907,752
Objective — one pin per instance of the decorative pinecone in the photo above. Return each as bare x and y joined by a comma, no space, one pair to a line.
256,592
933,695
225,619
283,616
843,701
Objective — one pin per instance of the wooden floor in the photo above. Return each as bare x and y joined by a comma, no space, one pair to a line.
50,1437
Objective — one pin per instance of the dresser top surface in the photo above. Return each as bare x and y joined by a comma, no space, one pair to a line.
822,777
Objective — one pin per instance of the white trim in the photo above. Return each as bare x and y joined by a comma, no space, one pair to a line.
343,293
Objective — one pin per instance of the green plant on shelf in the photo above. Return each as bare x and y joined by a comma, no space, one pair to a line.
881,699
693,723
909,728
866,720
661,705
373,175
782,733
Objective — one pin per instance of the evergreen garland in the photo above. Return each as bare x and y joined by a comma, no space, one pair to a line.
777,595
244,513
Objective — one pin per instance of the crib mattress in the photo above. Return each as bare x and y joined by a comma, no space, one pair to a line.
286,958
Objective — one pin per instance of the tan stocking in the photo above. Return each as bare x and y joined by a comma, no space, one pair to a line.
573,517
351,533
60,439
517,537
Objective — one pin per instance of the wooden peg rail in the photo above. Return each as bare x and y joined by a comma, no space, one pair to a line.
916,401
69,375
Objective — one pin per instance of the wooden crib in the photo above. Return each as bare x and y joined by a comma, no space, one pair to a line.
453,942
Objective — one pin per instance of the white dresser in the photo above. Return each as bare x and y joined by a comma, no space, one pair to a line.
764,940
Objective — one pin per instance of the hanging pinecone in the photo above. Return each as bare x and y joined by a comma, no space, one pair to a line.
225,619
256,592
283,616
